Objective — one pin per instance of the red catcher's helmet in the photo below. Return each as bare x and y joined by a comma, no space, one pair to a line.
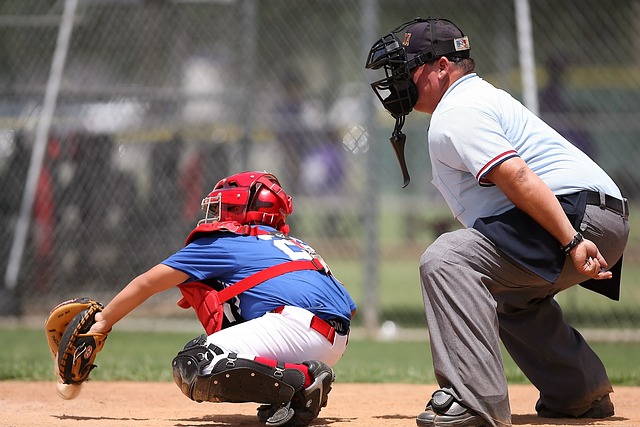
248,198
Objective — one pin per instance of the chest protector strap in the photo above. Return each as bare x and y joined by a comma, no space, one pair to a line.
208,303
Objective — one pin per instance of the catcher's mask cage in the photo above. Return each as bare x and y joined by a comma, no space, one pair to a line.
397,91
248,198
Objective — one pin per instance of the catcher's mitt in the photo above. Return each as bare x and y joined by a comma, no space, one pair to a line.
72,347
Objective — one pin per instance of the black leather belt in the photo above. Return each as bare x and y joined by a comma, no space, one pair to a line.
339,325
608,202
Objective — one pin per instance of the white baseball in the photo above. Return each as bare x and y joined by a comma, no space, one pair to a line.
68,391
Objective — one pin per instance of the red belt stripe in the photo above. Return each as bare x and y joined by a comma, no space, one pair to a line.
317,324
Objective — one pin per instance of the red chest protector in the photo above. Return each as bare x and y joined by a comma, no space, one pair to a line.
207,302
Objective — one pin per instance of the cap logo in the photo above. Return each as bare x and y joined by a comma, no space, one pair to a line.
461,43
407,39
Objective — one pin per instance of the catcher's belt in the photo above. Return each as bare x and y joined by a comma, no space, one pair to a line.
327,329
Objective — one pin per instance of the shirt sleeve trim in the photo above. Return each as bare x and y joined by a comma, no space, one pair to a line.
481,176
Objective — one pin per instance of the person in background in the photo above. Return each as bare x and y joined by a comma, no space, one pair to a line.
555,109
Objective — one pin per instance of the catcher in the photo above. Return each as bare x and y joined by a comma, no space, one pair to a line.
276,319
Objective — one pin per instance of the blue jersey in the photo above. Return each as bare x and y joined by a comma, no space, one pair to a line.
228,258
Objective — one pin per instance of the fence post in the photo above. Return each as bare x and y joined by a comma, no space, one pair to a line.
526,54
39,148
371,276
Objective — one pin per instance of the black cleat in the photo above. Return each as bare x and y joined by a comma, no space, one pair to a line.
444,411
275,415
601,408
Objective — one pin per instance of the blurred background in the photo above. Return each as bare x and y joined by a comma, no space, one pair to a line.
118,117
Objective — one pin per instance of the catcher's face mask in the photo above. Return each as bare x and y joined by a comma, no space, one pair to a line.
422,41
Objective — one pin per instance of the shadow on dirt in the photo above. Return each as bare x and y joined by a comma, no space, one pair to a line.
534,420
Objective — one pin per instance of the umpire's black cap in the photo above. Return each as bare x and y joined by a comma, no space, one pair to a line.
433,38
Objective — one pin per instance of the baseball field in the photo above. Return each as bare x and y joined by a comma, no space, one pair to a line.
161,404
379,383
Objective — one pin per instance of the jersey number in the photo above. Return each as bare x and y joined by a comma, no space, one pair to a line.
293,250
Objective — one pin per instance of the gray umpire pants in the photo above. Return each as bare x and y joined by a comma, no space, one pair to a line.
475,296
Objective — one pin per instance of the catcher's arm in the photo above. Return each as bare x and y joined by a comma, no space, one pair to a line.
159,278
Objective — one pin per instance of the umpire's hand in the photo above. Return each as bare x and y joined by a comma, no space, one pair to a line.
589,261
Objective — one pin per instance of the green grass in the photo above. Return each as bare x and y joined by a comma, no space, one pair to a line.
398,288
144,356
400,297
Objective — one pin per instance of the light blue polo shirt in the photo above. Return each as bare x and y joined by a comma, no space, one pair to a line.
476,127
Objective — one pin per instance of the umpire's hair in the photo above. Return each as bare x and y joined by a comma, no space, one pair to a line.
465,64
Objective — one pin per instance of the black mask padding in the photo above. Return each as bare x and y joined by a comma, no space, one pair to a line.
402,98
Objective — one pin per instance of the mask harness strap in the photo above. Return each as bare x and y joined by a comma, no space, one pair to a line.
398,140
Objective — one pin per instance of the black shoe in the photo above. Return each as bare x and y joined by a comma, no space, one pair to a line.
275,415
444,411
601,408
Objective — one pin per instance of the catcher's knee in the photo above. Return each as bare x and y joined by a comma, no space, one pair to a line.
189,363
232,379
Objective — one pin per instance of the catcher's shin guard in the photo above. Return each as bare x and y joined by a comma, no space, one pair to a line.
232,379
308,402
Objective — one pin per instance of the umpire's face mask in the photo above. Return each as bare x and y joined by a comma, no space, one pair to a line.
397,97
397,92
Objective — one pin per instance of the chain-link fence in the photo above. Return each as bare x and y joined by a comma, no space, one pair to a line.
146,104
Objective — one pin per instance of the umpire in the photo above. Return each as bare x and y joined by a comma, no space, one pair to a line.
539,217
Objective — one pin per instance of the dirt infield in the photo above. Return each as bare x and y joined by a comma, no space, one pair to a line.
117,404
